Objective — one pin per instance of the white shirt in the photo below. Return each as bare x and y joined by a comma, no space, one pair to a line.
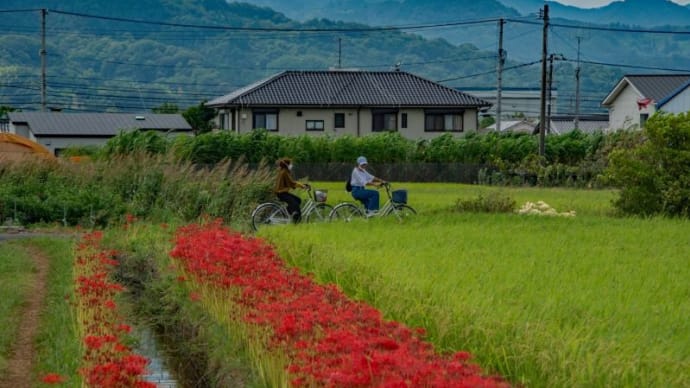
360,177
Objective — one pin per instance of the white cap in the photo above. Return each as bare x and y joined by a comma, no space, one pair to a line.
361,160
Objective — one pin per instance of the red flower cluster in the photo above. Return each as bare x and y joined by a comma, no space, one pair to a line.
329,339
107,361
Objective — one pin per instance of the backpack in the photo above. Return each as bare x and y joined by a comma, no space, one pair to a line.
348,186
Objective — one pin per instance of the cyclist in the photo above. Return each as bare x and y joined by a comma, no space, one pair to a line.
284,183
361,178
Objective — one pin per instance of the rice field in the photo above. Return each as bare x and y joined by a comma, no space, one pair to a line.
587,301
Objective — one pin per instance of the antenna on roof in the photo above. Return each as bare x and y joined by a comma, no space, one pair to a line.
397,66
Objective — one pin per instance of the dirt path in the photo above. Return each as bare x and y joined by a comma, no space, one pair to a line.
23,353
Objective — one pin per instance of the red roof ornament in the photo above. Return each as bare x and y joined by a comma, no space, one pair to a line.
643,102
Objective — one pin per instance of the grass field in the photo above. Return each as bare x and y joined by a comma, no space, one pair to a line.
56,344
15,275
589,301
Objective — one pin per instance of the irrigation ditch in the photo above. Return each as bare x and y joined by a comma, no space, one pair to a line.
185,346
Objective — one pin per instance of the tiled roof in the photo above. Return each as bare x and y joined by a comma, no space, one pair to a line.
96,124
348,88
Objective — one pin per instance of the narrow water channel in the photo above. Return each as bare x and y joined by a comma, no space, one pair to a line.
159,372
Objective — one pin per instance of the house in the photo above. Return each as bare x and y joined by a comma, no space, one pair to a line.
347,102
516,126
58,130
562,124
635,98
515,102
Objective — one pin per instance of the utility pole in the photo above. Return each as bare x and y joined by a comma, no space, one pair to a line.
542,112
552,57
577,87
340,53
43,53
499,71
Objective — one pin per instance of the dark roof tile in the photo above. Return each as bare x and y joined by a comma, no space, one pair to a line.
348,88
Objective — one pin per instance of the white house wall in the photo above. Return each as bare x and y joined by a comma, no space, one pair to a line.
679,104
358,122
624,113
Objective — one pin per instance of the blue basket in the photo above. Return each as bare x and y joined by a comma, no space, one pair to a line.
399,196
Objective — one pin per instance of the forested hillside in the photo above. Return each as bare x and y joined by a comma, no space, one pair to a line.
136,55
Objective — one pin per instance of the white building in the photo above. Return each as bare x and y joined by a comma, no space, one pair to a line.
635,98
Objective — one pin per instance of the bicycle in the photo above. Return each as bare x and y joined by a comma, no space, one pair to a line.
314,209
396,205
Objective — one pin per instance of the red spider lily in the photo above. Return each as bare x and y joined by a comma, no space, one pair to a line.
53,378
107,362
329,339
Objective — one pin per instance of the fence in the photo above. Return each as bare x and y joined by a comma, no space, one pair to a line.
396,172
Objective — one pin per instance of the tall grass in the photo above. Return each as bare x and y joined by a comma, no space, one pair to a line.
101,192
590,301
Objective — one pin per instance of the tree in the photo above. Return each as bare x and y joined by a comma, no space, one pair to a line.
200,118
654,177
166,108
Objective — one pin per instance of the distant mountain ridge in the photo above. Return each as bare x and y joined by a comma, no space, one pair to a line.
645,13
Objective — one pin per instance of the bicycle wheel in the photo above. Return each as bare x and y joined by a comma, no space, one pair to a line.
402,211
268,214
345,212
319,213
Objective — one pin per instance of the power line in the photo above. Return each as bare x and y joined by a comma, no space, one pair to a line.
277,29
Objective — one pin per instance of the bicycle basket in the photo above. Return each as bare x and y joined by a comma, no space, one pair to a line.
399,196
321,195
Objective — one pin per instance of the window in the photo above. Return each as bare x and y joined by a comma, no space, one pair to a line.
339,120
384,120
314,125
443,122
643,119
403,120
266,119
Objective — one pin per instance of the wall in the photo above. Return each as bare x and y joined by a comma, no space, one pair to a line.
357,122
679,104
624,113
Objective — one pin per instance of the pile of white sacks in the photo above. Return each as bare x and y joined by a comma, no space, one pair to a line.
542,208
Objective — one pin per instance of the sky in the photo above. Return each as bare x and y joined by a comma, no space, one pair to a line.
601,3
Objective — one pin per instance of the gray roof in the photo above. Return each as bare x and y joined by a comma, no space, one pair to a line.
657,87
96,124
348,88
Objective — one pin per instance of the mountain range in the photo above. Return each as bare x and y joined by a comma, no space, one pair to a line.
644,13
136,54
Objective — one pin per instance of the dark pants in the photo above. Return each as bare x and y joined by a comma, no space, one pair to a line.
293,205
370,198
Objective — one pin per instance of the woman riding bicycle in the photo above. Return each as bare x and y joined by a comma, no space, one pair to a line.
284,183
361,178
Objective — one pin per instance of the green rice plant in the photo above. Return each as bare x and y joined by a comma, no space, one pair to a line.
588,301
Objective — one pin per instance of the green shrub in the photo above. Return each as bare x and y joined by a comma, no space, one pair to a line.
654,177
493,202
